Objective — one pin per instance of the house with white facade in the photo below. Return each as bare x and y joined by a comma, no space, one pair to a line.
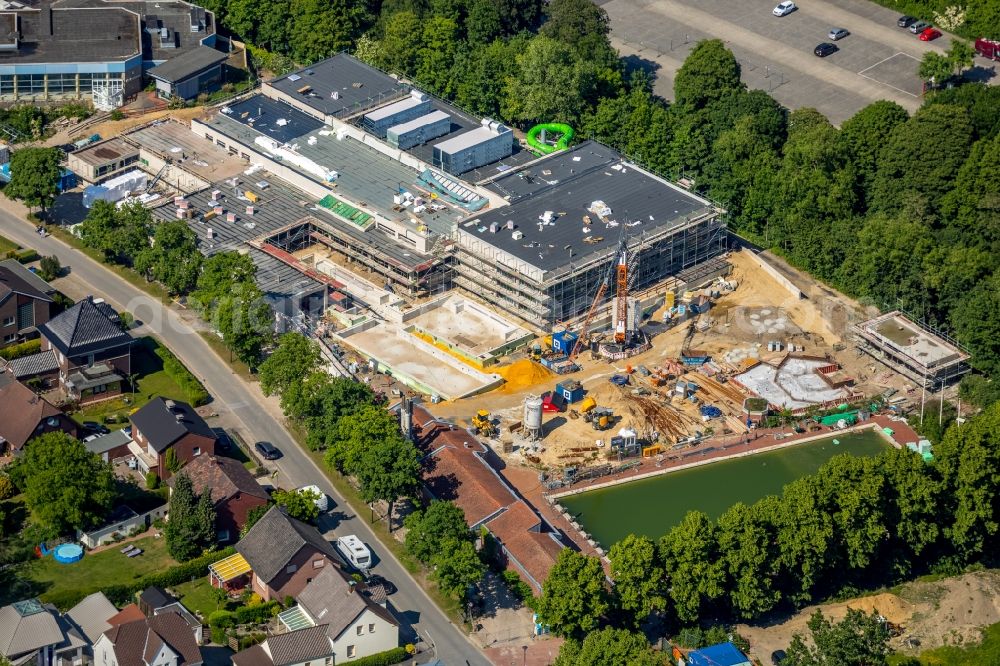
160,640
335,622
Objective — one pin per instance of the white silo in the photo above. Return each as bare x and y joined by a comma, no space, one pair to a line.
533,417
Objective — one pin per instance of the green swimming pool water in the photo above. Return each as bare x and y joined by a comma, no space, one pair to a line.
652,506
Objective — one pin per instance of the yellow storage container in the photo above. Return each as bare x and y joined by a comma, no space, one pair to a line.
588,404
252,197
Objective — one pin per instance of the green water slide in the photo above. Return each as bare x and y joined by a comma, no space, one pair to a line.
538,139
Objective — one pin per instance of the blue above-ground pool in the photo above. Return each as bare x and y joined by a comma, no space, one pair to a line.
68,553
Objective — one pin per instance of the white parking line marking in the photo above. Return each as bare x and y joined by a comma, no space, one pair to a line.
884,60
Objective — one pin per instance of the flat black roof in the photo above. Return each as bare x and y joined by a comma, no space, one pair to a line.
188,64
276,119
358,86
78,34
567,184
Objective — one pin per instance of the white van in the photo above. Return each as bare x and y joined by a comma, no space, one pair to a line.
322,502
355,551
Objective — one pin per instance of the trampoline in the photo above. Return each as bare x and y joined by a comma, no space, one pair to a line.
68,553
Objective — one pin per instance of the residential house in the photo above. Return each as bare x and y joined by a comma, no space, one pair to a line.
284,554
153,598
465,471
25,302
35,633
24,414
161,426
234,492
92,351
92,617
161,640
334,622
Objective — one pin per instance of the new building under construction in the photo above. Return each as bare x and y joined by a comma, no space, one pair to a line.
544,257
928,357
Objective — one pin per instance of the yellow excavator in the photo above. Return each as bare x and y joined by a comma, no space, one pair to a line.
483,424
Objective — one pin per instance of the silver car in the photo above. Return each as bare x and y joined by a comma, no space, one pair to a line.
919,27
837,33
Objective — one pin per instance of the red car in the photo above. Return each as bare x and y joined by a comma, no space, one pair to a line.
930,34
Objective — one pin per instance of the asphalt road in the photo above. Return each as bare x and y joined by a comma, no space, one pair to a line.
413,607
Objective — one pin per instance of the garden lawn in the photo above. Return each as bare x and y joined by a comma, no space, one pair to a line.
6,245
197,597
94,571
151,379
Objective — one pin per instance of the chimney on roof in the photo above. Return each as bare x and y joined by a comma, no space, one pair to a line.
406,418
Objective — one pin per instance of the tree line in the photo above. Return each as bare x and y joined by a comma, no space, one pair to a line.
361,439
857,523
222,286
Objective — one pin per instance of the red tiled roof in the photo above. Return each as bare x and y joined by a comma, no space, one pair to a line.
458,469
225,477
21,411
128,614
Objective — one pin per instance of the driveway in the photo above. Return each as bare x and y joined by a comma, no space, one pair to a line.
876,61
258,416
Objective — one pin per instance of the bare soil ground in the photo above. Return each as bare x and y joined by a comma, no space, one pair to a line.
946,612
738,326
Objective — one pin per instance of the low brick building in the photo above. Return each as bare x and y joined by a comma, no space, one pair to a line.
25,302
24,415
234,491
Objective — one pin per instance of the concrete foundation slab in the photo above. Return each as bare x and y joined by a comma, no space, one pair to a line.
796,384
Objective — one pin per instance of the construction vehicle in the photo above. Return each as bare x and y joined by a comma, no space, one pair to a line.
483,424
601,418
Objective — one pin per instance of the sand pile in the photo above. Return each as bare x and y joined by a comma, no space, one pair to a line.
523,373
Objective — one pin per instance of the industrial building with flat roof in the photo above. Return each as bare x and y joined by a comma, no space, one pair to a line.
544,256
76,49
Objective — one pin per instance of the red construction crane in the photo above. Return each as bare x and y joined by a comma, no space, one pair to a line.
621,334
601,290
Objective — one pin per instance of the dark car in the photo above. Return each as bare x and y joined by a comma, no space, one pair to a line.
223,441
905,21
268,450
95,427
825,49
379,580
778,657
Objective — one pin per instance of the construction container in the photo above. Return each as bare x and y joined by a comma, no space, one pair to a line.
571,390
418,131
564,341
588,404
253,198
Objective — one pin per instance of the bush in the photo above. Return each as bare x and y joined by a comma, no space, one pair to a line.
252,639
193,390
387,658
25,256
218,635
152,481
117,114
7,489
518,587
222,619
24,349
49,268
256,614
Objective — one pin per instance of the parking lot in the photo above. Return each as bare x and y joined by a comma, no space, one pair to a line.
876,61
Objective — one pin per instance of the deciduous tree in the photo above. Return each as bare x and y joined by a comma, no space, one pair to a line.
428,529
639,577
34,176
300,504
388,470
66,487
457,566
574,598
294,358
857,640
694,566
608,647
173,259
710,72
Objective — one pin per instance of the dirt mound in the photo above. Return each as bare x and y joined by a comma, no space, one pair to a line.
523,373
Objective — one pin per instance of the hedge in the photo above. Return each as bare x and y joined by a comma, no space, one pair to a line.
123,594
25,256
256,614
24,349
193,390
387,658
221,619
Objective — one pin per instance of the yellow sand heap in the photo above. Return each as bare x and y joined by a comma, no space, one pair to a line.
523,373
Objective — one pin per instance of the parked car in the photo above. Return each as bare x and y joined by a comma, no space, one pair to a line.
930,34
380,580
784,8
838,33
918,27
778,657
322,502
825,49
95,427
905,21
268,450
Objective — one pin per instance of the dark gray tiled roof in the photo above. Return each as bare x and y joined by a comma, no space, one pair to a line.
296,647
85,328
33,365
358,86
275,539
15,278
188,64
104,443
158,422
